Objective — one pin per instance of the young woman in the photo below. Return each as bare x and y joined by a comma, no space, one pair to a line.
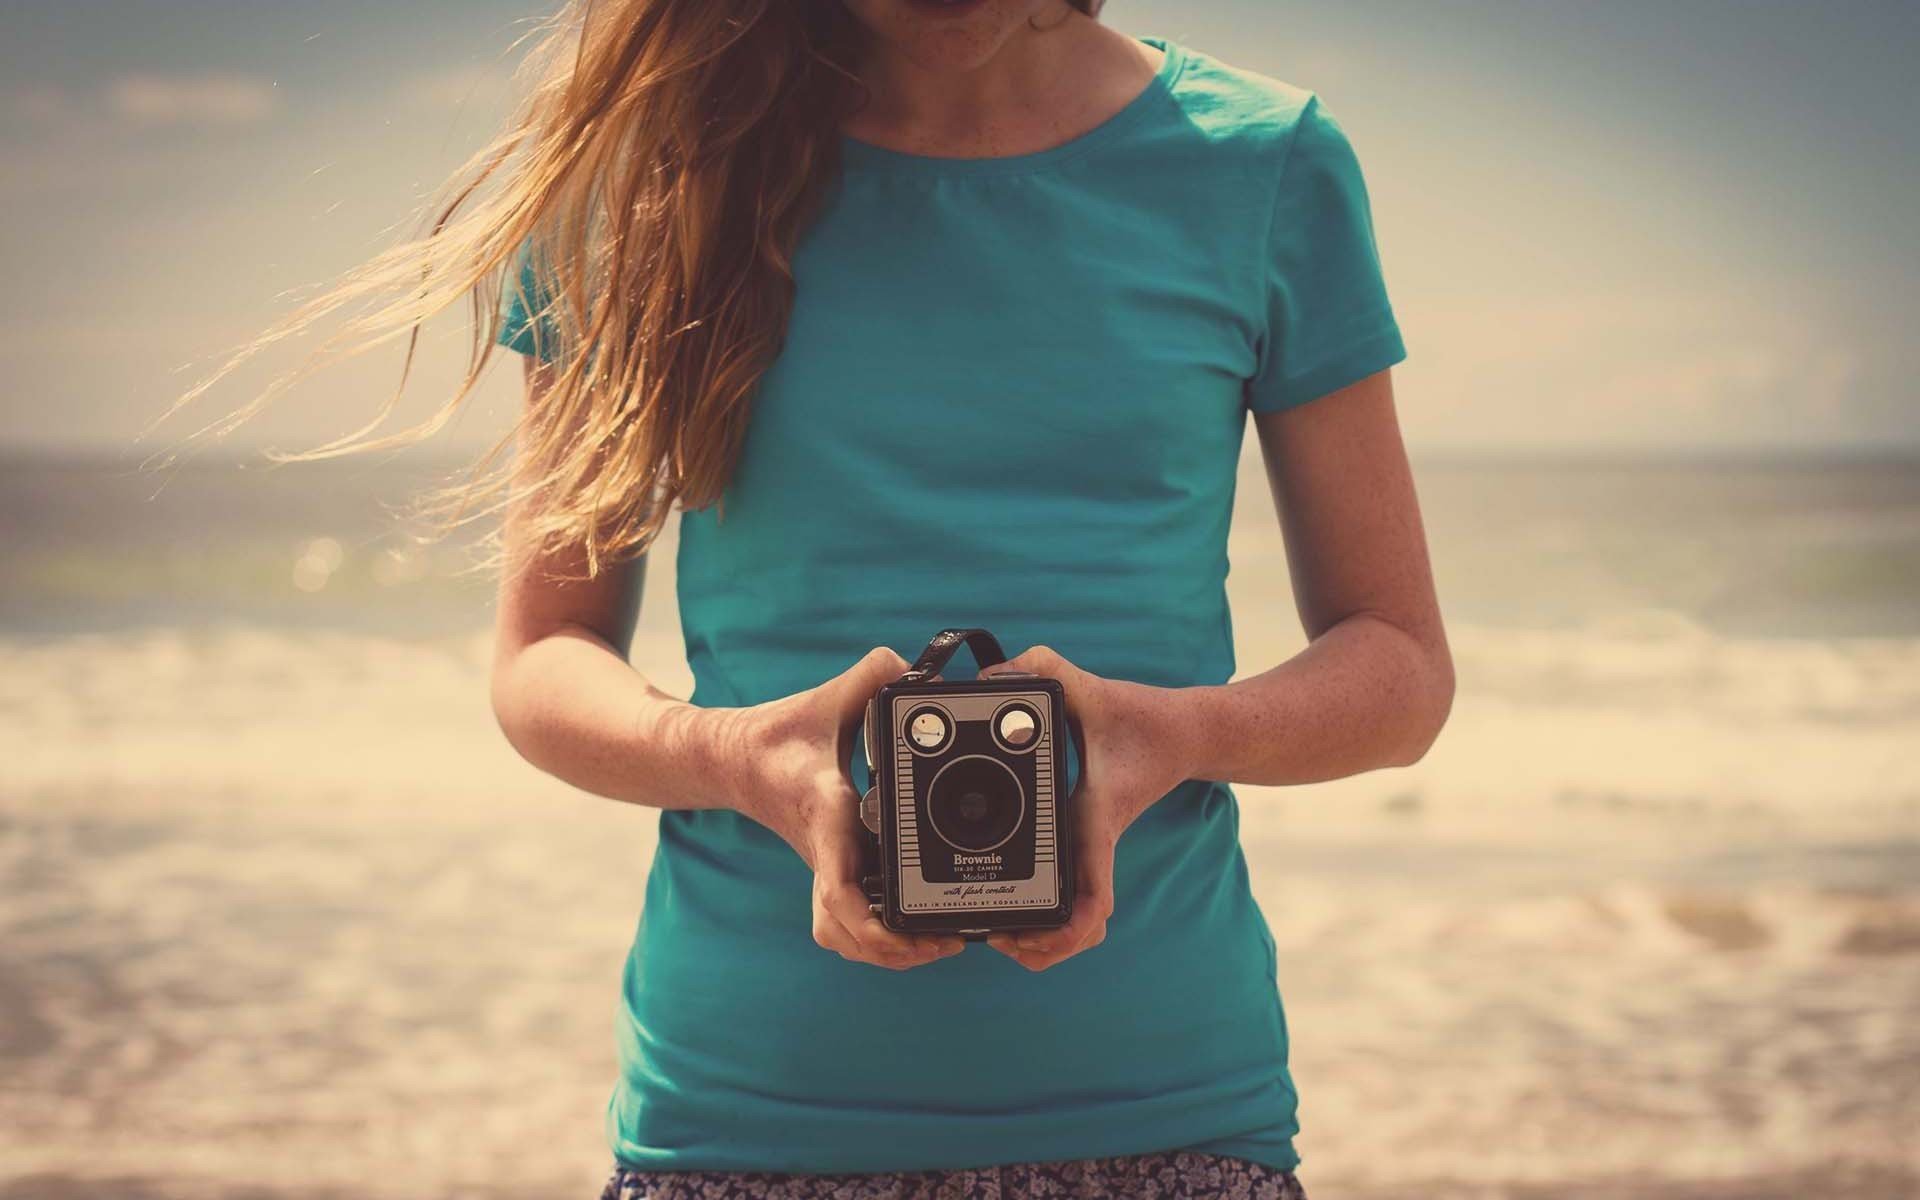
932,313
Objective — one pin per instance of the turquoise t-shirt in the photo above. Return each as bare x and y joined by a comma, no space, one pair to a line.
1012,394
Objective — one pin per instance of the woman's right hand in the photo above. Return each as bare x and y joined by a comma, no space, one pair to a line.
794,782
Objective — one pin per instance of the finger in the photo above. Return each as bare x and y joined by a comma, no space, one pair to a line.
1092,888
846,696
849,906
836,891
1039,660
887,947
1004,943
1037,953
830,934
852,688
1038,949
1008,944
1082,930
830,931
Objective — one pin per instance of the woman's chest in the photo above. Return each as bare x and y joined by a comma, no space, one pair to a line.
1008,336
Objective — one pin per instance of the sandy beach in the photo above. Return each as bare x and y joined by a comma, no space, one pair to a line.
281,915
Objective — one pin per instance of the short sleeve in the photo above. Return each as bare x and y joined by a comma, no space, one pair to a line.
1327,319
524,328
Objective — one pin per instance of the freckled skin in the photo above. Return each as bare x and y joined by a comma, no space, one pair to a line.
1372,688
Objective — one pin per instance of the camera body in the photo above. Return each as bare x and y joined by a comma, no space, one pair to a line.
967,822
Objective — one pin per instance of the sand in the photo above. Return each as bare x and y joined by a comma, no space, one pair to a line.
282,916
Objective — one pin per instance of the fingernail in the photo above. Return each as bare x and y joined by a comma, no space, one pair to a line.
1033,943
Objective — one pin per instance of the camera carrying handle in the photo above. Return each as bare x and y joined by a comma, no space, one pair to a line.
985,647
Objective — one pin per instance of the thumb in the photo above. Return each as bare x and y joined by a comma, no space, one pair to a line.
1037,660
852,688
846,696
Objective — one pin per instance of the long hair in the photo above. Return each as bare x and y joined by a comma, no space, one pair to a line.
644,203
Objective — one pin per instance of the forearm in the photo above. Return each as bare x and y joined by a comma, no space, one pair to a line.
1364,694
572,706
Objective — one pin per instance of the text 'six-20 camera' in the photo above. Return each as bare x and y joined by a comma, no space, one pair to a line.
967,819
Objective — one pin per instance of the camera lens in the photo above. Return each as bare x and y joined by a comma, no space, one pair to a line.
975,802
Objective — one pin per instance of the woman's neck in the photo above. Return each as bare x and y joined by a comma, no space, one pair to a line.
1040,88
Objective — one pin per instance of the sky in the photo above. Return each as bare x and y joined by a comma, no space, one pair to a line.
1620,227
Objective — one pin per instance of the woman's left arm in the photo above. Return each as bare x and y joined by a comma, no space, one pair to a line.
1372,688
1374,685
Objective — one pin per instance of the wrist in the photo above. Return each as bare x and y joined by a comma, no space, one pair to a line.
1186,729
737,750
1166,724
758,752
708,752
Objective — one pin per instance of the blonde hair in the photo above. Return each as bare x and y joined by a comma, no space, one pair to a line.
645,201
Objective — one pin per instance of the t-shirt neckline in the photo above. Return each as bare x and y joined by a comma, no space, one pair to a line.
865,155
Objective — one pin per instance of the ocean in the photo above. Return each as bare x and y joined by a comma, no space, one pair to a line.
281,915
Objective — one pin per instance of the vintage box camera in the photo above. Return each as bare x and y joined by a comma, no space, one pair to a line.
967,819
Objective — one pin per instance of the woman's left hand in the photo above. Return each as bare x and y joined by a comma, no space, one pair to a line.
1136,752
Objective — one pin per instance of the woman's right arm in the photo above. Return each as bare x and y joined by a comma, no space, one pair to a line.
570,703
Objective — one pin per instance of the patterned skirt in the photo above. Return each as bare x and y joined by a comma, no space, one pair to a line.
1172,1175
